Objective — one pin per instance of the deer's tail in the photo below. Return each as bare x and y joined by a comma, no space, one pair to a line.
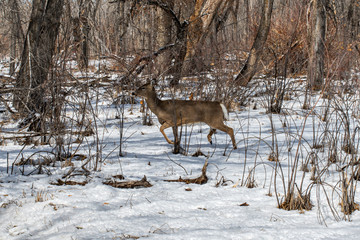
225,111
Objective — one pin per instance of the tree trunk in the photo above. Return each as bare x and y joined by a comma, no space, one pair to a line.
353,22
81,34
121,27
17,34
36,59
164,38
317,45
198,29
179,54
190,34
181,28
251,64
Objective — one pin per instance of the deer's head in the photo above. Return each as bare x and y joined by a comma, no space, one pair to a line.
146,91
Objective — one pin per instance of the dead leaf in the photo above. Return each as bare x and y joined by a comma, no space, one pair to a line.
245,204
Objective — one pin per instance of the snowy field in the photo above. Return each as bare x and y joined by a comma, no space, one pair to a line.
239,201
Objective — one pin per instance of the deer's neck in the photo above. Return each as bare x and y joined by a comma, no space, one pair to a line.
153,102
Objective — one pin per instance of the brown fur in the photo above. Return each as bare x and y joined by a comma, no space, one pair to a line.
179,112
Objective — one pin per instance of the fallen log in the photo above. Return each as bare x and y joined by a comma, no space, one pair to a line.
199,180
129,184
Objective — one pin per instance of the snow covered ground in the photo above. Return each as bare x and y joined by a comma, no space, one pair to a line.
31,207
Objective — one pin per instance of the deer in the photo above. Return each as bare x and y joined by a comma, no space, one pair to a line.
171,113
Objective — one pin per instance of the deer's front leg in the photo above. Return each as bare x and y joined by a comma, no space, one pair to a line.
162,128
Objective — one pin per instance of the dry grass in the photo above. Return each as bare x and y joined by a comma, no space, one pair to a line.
299,202
348,208
43,196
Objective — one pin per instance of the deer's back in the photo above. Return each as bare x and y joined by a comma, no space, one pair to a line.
190,111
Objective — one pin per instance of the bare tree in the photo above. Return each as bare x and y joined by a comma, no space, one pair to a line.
353,19
81,31
36,59
200,22
17,34
180,29
317,45
122,21
190,33
251,65
164,37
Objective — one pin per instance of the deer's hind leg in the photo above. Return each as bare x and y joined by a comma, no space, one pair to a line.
211,132
164,126
222,127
